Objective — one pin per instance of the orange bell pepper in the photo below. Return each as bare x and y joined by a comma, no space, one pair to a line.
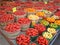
40,14
50,19
57,22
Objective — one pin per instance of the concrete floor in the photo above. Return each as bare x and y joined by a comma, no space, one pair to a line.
3,41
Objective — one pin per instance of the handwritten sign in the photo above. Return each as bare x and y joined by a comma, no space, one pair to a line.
33,22
14,9
45,2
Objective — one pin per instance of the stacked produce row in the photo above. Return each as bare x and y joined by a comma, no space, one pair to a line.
30,23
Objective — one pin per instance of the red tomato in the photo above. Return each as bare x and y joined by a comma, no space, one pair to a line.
32,32
40,28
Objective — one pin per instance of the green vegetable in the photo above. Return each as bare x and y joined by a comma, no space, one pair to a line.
53,25
44,22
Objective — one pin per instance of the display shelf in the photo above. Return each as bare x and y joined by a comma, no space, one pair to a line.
57,41
52,42
54,39
4,40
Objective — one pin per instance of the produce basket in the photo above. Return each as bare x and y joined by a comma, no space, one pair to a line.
54,41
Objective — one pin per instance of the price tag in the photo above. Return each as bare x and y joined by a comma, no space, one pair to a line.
45,2
33,22
14,9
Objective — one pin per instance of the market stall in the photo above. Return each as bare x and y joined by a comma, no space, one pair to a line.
32,22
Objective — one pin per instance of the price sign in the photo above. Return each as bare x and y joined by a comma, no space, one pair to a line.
14,9
45,2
